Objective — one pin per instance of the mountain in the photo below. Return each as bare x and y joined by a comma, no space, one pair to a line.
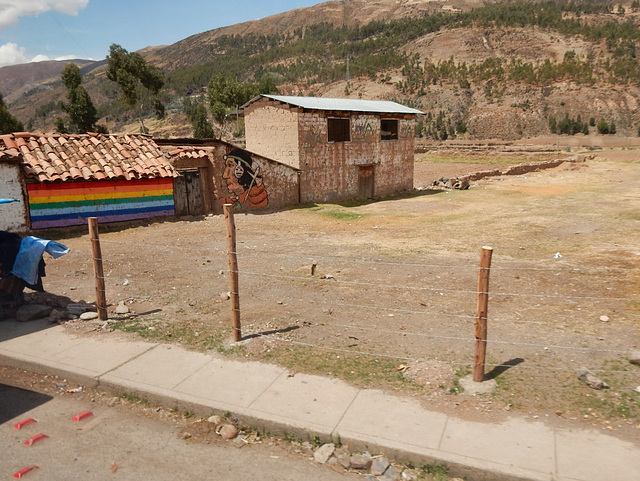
481,70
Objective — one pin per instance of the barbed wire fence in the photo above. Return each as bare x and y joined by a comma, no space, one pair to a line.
404,311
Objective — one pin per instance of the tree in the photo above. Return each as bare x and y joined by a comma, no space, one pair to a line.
202,128
82,113
139,82
603,127
8,123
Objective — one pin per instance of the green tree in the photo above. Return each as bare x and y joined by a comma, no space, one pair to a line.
603,127
82,113
612,128
139,82
202,128
8,123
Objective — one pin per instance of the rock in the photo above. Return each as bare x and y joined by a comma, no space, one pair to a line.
324,452
227,431
604,318
370,477
635,358
361,462
591,379
390,474
225,296
343,456
185,436
122,308
214,419
77,308
88,316
29,312
409,475
113,401
379,465
57,315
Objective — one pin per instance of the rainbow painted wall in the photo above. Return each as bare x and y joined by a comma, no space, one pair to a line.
65,204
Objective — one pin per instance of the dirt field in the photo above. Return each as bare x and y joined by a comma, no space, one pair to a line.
392,301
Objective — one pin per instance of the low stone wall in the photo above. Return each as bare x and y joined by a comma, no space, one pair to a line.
464,181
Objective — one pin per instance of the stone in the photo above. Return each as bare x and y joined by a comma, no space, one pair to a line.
77,308
634,358
390,474
604,318
88,316
122,308
29,312
591,379
361,462
214,419
57,315
370,477
379,465
343,456
227,431
225,296
324,452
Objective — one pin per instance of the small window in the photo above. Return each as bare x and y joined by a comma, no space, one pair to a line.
388,129
339,130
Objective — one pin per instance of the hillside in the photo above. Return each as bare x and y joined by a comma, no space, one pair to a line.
506,70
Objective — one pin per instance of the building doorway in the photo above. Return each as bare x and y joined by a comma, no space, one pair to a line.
366,181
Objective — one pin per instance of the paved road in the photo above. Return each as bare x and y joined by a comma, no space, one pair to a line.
142,448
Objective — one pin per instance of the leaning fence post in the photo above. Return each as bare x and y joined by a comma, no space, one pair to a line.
101,296
481,314
233,273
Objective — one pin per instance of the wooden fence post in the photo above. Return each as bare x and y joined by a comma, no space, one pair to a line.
233,273
101,296
481,314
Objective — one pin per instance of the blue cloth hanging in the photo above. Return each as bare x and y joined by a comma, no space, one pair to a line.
30,254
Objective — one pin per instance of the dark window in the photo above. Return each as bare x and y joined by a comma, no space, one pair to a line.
388,129
339,130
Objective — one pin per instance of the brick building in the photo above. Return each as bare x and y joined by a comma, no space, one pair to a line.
344,148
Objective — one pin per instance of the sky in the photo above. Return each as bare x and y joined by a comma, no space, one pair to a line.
36,30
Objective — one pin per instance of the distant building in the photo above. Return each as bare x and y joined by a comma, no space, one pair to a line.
344,148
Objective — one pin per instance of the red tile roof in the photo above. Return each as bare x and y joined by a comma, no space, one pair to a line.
61,158
188,153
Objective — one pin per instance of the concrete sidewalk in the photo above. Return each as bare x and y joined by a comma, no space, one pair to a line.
266,396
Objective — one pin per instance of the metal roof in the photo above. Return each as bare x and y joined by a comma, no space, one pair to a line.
352,105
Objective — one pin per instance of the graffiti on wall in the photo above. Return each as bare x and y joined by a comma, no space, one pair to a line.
362,130
244,181
406,131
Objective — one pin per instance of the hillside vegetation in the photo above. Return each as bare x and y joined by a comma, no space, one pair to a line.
502,70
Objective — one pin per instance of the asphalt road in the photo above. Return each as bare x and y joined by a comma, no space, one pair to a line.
124,444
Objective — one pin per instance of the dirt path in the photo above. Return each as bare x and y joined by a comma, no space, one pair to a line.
392,301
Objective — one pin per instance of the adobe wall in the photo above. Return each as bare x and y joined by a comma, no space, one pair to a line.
13,216
330,169
271,129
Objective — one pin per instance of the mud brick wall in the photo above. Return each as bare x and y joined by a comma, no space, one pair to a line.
272,130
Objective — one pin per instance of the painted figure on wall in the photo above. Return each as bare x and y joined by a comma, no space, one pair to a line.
244,182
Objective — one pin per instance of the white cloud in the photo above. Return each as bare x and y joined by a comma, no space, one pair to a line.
12,10
11,53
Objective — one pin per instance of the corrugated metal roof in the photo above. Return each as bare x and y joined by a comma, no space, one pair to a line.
350,105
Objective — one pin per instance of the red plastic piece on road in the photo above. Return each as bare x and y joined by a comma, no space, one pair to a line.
81,416
37,437
24,423
24,471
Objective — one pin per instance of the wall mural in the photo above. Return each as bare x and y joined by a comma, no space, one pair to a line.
244,182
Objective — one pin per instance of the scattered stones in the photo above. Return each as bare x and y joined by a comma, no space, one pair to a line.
29,312
57,315
324,452
379,465
591,379
88,316
634,358
227,431
409,475
361,462
113,401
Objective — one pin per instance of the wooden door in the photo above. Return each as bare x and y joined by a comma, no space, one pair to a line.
365,182
187,193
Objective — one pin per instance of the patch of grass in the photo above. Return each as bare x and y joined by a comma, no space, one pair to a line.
338,213
132,398
435,472
457,388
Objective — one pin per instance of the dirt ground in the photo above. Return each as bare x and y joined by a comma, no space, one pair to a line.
391,302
